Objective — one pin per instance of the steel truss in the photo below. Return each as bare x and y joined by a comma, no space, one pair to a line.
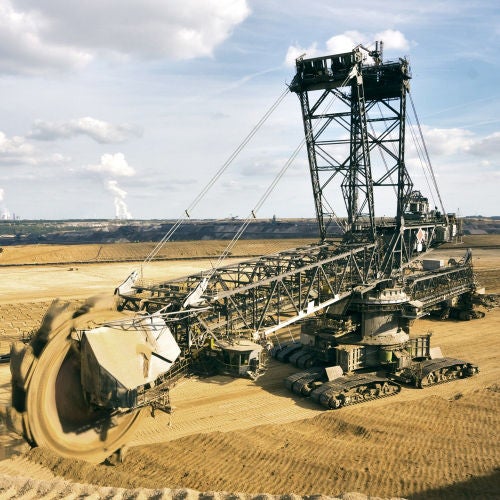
357,148
259,296
437,286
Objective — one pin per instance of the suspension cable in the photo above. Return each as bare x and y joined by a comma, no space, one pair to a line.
257,207
428,159
420,154
187,212
270,188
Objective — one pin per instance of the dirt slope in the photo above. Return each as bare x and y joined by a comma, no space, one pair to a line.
403,448
22,487
113,252
235,435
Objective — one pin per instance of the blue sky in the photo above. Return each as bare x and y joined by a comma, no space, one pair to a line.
127,108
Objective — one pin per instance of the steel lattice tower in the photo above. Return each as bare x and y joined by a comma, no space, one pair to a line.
354,117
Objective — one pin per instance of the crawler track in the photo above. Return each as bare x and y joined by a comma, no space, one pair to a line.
354,389
343,391
443,370
303,383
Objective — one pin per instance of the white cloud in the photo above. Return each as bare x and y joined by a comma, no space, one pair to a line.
2,192
18,151
23,48
178,112
295,51
114,165
446,141
458,141
58,158
345,42
466,158
394,40
36,37
486,146
101,131
15,150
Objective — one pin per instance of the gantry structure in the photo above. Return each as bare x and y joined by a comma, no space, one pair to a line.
354,113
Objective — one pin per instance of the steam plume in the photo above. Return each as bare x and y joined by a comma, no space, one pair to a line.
121,210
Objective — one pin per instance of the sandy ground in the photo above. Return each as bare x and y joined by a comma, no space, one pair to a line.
236,435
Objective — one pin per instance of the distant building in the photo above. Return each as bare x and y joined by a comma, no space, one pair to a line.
5,215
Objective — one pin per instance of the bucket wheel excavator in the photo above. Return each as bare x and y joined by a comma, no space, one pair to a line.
80,383
47,389
83,382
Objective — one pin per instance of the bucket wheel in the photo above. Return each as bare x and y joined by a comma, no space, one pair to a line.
46,388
